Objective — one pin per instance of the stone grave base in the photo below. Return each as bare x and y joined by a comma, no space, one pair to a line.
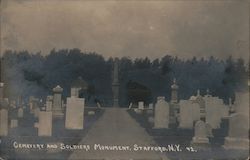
199,140
236,143
184,127
200,143
160,127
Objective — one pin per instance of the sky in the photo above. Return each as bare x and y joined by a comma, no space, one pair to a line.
133,29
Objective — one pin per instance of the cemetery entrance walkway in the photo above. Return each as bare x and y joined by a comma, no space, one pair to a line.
117,129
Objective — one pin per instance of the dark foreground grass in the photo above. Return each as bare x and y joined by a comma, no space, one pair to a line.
27,134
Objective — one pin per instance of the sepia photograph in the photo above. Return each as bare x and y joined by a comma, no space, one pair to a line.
124,79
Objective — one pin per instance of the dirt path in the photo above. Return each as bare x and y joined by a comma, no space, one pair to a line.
117,127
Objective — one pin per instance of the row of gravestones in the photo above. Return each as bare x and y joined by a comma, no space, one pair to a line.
5,117
74,117
74,114
238,135
215,110
189,112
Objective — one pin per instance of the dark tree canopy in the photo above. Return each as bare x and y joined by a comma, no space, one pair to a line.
32,74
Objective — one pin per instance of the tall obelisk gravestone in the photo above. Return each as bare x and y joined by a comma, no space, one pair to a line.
173,103
115,84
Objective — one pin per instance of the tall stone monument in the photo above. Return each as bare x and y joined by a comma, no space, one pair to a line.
57,102
174,106
174,92
116,84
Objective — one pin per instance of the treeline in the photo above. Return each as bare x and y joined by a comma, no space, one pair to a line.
27,74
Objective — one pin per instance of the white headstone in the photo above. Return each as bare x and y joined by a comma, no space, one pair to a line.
34,105
141,105
13,104
74,113
242,103
74,91
49,103
209,130
36,112
91,113
224,110
186,120
200,133
13,123
45,123
189,113
6,100
161,113
195,111
98,105
213,111
151,106
4,122
20,113
130,105
150,109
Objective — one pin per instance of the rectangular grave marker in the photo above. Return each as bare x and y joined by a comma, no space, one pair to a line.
74,113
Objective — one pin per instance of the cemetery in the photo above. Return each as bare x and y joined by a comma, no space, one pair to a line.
36,124
200,127
124,80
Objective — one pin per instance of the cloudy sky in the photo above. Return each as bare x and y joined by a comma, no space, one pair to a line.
132,28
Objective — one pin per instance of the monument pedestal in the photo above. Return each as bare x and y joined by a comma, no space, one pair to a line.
236,143
57,110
